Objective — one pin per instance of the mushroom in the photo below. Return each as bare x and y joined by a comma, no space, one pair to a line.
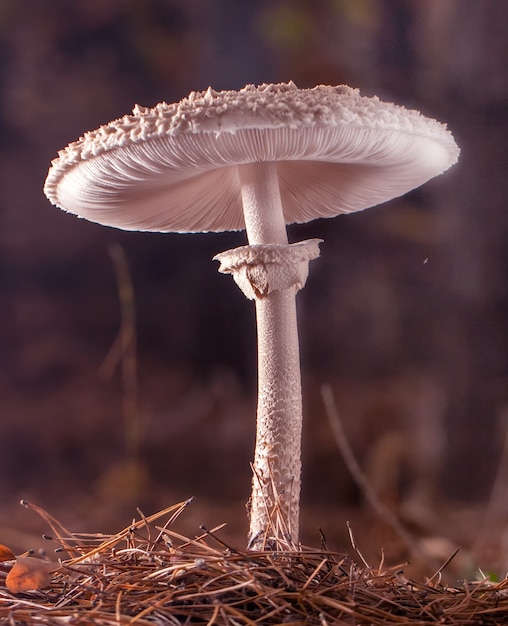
255,159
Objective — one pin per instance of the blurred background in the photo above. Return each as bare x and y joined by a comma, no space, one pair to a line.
404,315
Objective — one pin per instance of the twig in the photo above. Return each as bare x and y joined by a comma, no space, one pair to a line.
211,533
361,480
441,569
496,507
123,353
355,547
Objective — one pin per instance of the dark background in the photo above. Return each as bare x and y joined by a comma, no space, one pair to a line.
404,314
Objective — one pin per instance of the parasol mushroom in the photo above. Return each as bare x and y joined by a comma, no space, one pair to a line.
255,159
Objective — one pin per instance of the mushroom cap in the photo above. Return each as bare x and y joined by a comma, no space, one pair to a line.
172,168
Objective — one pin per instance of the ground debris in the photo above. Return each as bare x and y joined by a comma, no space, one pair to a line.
148,574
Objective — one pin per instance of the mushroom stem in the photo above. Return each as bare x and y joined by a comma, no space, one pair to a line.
275,501
274,506
262,207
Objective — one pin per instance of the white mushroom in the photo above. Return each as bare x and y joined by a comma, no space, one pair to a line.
256,159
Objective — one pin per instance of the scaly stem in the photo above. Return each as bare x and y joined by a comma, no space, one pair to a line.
275,502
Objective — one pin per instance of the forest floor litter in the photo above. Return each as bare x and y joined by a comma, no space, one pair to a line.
150,574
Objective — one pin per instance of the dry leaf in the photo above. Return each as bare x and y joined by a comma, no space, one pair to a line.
30,574
6,554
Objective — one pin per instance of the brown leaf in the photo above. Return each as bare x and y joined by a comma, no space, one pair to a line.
6,554
30,574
